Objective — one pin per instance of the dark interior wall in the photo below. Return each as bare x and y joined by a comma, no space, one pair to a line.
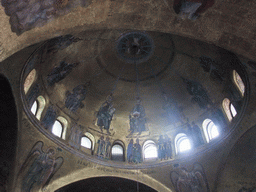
8,131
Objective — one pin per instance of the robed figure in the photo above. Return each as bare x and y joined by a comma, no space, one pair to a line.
38,168
137,118
105,114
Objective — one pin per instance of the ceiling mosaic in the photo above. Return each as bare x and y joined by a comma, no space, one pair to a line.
130,86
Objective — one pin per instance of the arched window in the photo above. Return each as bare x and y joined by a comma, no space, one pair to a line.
239,82
229,109
182,143
59,127
149,150
38,107
34,108
29,80
117,152
211,131
90,138
86,142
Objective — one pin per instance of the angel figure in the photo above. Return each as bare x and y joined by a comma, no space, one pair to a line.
193,181
39,168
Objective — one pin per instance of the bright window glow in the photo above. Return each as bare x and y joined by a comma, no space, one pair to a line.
239,82
233,110
86,142
57,128
34,108
29,80
211,131
117,150
226,107
150,150
184,145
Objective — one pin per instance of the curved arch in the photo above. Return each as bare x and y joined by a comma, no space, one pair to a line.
229,109
30,79
87,172
182,143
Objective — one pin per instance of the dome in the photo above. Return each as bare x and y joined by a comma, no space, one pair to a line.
114,86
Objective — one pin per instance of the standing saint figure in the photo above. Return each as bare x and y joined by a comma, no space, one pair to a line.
105,114
75,136
137,118
130,151
101,147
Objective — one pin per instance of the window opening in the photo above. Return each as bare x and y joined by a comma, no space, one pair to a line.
117,152
57,128
41,103
91,137
150,149
226,107
239,82
211,131
29,80
233,110
34,108
86,142
182,143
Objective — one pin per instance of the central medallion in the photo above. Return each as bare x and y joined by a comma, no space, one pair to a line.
135,47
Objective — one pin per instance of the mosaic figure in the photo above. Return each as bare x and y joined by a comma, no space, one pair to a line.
137,118
75,136
107,148
199,94
105,114
191,9
193,181
168,147
130,151
101,147
137,157
39,168
60,43
197,135
49,117
173,111
74,100
161,148
209,65
60,72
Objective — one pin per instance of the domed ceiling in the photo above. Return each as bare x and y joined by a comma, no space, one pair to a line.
128,85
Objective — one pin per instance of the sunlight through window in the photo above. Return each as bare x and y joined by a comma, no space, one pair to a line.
86,142
184,145
34,108
150,150
117,150
233,110
57,128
